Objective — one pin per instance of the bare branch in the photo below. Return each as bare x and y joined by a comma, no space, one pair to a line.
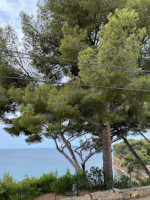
65,155
21,65
96,151
68,145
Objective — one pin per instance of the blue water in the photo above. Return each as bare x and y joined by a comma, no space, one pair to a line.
35,162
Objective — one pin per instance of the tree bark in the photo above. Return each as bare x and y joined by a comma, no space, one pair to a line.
107,151
75,166
71,152
83,167
136,156
145,137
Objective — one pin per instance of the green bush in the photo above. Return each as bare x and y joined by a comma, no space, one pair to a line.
83,182
145,182
96,178
64,183
46,182
29,188
124,182
8,187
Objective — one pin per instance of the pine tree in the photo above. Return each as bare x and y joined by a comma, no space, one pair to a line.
80,30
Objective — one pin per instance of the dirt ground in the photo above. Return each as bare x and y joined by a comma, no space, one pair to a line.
51,196
143,198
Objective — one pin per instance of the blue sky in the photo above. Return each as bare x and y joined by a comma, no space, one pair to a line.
10,10
9,142
9,14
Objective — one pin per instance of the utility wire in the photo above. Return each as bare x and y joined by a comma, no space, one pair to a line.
57,62
74,61
71,84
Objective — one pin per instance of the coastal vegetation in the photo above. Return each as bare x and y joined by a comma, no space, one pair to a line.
29,188
128,160
101,48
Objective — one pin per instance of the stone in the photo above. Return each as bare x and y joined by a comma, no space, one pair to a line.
134,194
117,190
126,195
96,195
113,196
86,197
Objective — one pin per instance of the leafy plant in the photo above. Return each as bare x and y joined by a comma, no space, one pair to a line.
96,177
124,182
145,182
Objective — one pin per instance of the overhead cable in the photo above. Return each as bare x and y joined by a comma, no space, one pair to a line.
72,84
74,61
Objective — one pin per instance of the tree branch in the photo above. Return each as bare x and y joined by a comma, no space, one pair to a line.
64,154
90,122
144,137
119,106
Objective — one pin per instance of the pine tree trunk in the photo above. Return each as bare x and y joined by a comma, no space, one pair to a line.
136,156
83,167
107,151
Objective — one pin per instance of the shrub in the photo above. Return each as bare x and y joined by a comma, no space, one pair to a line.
8,187
124,182
96,178
28,188
64,183
145,182
46,182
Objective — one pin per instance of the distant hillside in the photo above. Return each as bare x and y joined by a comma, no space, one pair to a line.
127,160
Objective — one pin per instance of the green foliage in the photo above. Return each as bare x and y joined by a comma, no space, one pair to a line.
145,182
73,42
96,178
8,187
105,31
124,182
46,182
64,183
29,188
140,146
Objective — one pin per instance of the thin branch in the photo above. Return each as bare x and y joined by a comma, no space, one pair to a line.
64,154
120,106
68,145
90,122
21,65
144,137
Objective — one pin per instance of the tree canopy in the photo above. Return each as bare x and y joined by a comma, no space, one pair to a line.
140,146
102,48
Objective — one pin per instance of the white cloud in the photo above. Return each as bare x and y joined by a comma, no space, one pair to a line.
10,10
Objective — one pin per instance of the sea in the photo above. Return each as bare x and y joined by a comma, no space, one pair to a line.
20,163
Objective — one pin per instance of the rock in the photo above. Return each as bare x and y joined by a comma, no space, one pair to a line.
117,190
96,195
134,194
115,194
86,197
126,193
